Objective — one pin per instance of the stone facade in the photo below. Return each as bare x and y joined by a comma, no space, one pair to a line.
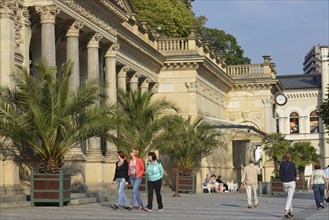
106,43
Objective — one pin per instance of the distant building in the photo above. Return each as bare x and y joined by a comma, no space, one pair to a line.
312,62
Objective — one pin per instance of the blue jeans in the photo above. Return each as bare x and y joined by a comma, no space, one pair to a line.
318,190
135,182
121,183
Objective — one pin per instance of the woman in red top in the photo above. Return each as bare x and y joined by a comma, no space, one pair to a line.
135,172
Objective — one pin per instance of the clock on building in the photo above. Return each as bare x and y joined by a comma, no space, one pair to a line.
280,99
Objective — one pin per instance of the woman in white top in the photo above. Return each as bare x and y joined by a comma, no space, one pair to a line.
318,183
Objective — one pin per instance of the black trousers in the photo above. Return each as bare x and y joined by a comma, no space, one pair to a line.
154,186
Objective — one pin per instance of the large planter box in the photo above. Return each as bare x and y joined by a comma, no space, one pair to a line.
186,184
276,186
50,189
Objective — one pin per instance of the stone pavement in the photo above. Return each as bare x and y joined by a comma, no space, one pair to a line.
198,206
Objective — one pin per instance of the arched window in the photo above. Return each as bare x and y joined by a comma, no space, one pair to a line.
294,123
314,122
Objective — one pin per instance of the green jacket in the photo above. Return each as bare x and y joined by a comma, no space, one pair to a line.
154,171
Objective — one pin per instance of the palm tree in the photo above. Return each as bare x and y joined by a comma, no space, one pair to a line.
188,142
44,116
303,154
275,147
141,119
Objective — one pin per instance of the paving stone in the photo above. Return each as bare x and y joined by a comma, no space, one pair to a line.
189,206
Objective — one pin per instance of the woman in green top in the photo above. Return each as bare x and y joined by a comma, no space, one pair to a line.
154,174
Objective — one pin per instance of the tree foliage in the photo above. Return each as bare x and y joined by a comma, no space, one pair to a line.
189,141
225,45
42,115
275,146
140,119
303,154
173,16
324,110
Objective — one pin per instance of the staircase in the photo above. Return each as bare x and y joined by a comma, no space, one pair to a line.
12,197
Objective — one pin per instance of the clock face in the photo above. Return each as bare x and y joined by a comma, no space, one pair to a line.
281,99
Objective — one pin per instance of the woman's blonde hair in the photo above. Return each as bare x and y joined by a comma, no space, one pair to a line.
135,151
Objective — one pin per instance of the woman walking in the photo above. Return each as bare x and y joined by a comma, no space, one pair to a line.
121,178
135,172
154,174
288,176
318,183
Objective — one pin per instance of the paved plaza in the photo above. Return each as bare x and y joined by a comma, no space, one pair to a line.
188,206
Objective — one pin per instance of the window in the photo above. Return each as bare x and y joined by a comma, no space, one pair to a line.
294,123
314,122
277,120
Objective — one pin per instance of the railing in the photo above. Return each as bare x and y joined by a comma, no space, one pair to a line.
245,71
173,44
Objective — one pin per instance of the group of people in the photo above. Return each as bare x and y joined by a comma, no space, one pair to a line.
288,175
213,184
131,170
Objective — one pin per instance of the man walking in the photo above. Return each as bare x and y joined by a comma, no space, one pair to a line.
250,181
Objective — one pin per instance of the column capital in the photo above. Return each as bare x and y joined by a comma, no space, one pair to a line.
135,77
94,41
74,29
112,50
48,13
268,103
123,71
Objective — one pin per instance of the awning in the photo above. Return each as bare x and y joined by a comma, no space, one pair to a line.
219,123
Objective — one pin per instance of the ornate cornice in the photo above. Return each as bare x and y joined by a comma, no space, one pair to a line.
254,86
181,65
135,45
91,17
115,10
8,4
48,13
303,95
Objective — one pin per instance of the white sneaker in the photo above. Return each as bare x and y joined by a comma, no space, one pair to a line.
147,209
160,210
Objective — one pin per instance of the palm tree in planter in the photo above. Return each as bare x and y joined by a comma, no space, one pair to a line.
188,141
43,115
275,146
140,120
303,154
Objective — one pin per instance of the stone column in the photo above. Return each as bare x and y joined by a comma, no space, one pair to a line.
26,37
7,36
122,78
72,53
134,82
94,163
325,81
110,73
9,171
111,92
48,43
145,85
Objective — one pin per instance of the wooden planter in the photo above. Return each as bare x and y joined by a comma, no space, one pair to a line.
50,189
276,186
186,184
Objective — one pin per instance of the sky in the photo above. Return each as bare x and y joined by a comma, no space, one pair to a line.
284,29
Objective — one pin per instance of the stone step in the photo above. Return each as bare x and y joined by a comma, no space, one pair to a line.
15,204
7,198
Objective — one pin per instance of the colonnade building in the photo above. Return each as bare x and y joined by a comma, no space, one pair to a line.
108,44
